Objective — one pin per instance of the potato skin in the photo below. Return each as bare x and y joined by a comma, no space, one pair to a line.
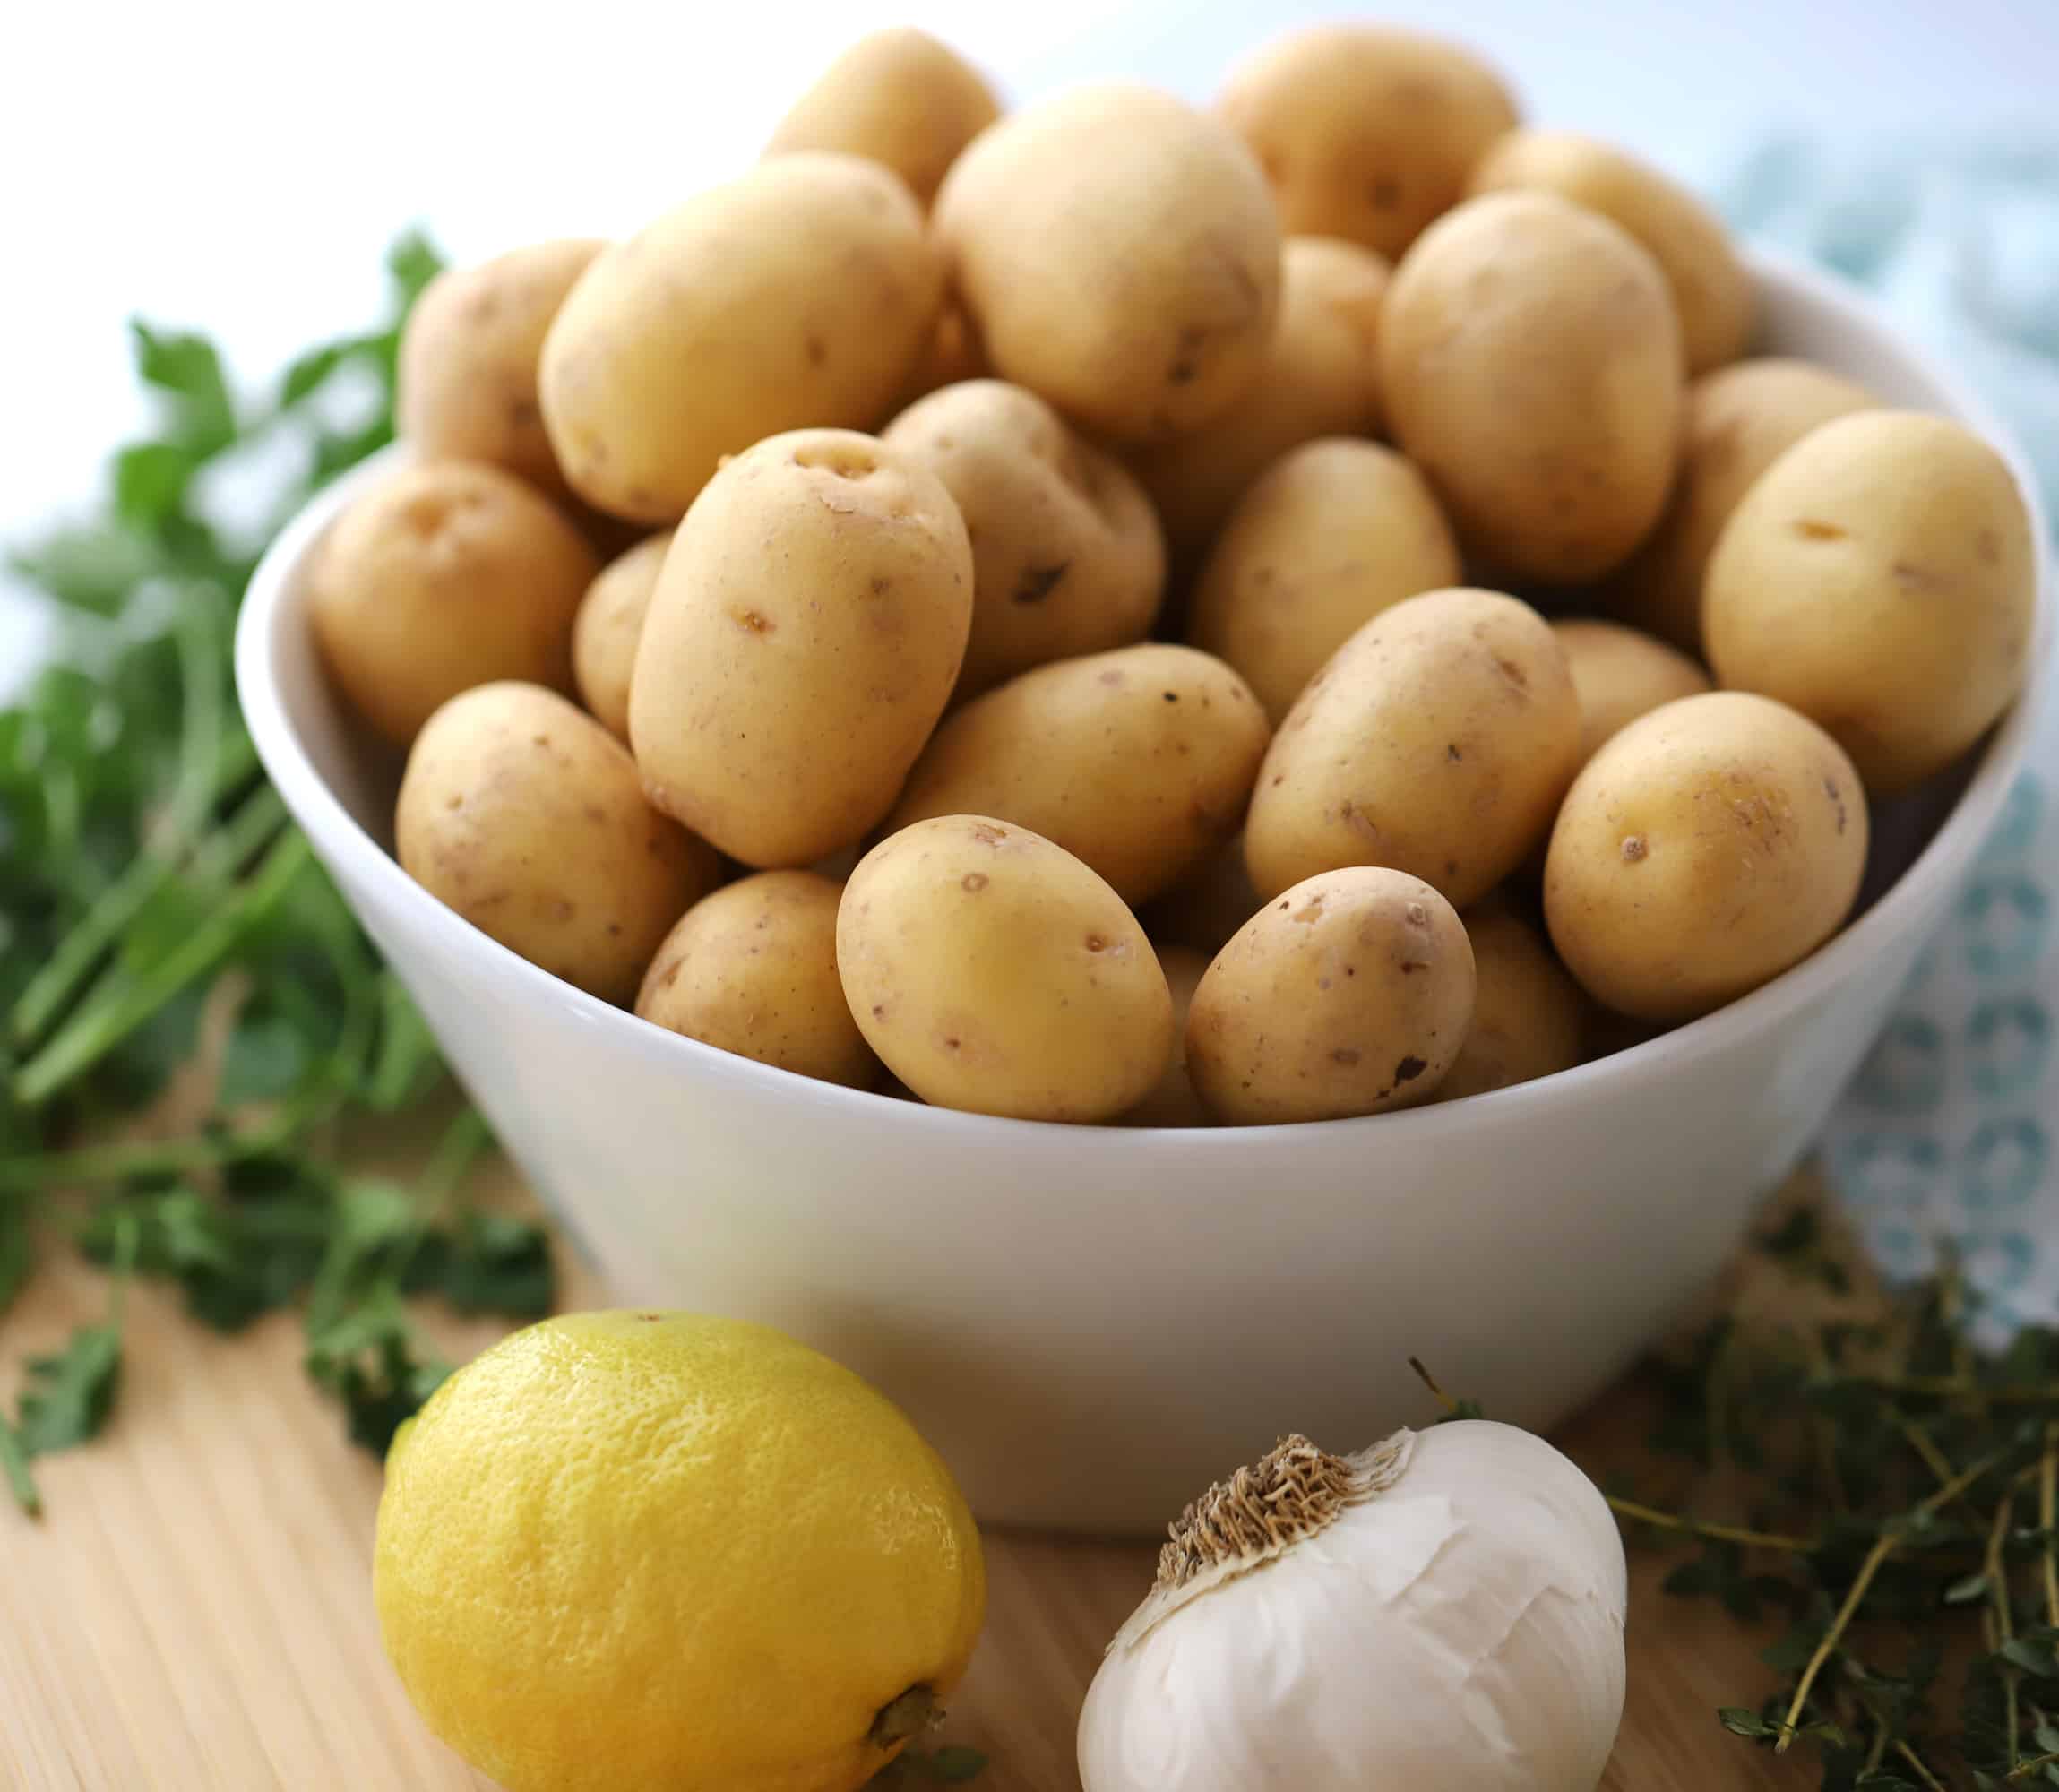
444,576
468,368
1531,364
525,816
1320,376
1174,1103
607,628
1365,132
1348,993
1530,1017
806,629
1137,762
1619,675
1711,289
1879,578
993,971
1066,553
800,294
1119,253
752,968
1437,741
1707,847
1333,533
898,97
1740,420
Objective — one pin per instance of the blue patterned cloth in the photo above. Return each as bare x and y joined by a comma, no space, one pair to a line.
1951,1128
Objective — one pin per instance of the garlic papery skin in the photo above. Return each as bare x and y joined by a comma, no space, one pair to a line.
1444,1613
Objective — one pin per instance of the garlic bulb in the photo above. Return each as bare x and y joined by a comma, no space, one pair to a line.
1441,1613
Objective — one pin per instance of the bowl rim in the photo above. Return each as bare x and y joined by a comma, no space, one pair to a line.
343,842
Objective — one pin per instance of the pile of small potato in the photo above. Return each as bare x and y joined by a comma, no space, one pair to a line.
1154,649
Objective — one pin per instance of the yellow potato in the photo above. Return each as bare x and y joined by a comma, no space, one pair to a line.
1619,675
800,294
1365,132
1120,254
1740,420
752,968
607,628
1137,761
467,378
1879,578
1711,288
991,970
898,97
1705,849
1207,905
1530,365
1067,555
444,575
1321,376
1174,1103
1335,532
805,635
1437,741
1349,994
525,816
1530,1017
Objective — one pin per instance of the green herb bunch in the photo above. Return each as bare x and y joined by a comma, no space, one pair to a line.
150,882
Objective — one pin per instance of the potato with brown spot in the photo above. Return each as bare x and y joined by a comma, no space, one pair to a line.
1174,1103
1437,740
1348,993
807,627
1706,848
1066,555
1119,253
1334,533
1620,675
607,628
1321,376
1138,761
1881,578
1530,1017
800,295
444,575
1531,364
751,968
1366,132
1740,420
898,97
525,816
993,971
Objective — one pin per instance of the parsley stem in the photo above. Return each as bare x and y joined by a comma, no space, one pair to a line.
1948,1387
2048,1520
1919,1441
2023,1770
14,1465
1719,1533
1916,1766
1998,1573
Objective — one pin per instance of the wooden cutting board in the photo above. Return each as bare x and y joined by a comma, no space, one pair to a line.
195,1613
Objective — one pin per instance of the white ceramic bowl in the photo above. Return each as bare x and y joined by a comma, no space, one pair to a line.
1093,1323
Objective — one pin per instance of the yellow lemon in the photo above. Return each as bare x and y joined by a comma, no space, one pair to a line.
628,1552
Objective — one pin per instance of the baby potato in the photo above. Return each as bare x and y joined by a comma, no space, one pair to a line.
1619,675
1365,132
607,628
1711,289
804,634
1740,420
1437,741
466,385
1705,849
525,816
1334,533
1206,906
993,971
799,293
1137,762
1530,365
444,575
752,968
1174,1103
1320,376
1348,993
1119,253
1529,1018
1879,578
1067,555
